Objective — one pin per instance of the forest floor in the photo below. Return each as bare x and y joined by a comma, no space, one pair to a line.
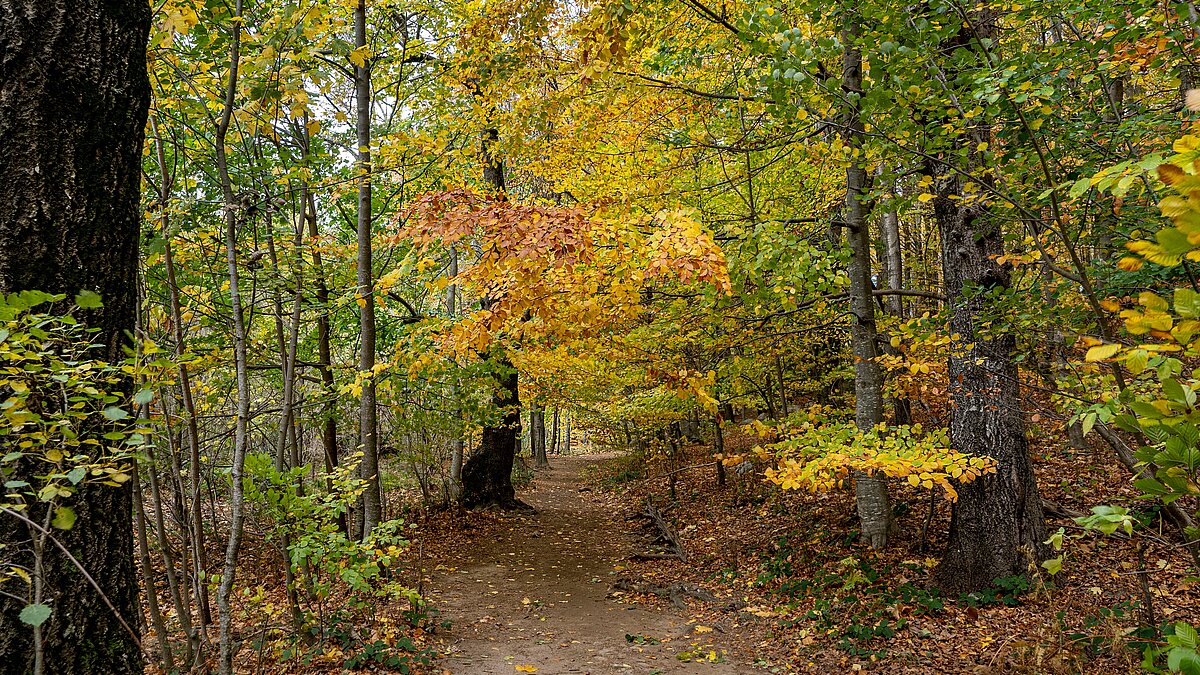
532,592
790,587
774,582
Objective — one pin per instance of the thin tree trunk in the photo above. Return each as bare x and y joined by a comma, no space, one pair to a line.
199,557
74,95
554,434
567,435
889,226
537,436
783,406
156,617
719,449
874,505
456,451
242,416
367,420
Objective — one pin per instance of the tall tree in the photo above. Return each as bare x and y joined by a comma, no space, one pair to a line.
367,415
487,474
874,506
74,96
997,527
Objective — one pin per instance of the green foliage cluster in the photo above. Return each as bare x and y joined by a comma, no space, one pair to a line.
66,422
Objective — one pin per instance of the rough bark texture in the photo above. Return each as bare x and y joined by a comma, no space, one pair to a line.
487,474
997,526
367,415
74,94
874,506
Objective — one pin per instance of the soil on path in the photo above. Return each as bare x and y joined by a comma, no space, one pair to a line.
532,592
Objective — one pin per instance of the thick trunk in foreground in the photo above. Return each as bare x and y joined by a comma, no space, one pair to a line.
997,526
73,101
871,492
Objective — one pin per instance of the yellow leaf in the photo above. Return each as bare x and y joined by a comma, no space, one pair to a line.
526,669
1102,352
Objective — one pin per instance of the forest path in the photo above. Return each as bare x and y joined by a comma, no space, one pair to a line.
533,595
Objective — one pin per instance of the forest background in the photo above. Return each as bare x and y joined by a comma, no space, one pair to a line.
388,248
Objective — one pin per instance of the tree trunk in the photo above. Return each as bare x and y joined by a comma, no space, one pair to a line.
996,526
456,452
487,475
537,436
889,225
74,96
783,405
554,434
196,524
874,506
367,420
234,222
719,449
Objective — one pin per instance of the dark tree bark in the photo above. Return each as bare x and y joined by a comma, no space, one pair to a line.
487,474
74,95
997,526
367,415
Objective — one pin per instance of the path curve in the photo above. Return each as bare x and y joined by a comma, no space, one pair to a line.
534,595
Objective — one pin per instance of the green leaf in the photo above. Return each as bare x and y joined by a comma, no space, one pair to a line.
35,615
1144,409
88,300
1184,660
77,474
1150,486
64,518
143,396
115,414
1053,566
1187,635
1174,390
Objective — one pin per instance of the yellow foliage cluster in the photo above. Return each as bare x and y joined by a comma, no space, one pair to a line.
819,457
552,271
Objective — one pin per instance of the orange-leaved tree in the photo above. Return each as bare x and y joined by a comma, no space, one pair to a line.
544,274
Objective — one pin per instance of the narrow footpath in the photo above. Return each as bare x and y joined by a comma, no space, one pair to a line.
535,596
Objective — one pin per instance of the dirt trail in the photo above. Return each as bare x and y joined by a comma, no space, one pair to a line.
534,594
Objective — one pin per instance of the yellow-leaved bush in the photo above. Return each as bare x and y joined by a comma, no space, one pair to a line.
819,454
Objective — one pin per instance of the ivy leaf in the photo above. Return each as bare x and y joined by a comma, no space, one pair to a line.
35,615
